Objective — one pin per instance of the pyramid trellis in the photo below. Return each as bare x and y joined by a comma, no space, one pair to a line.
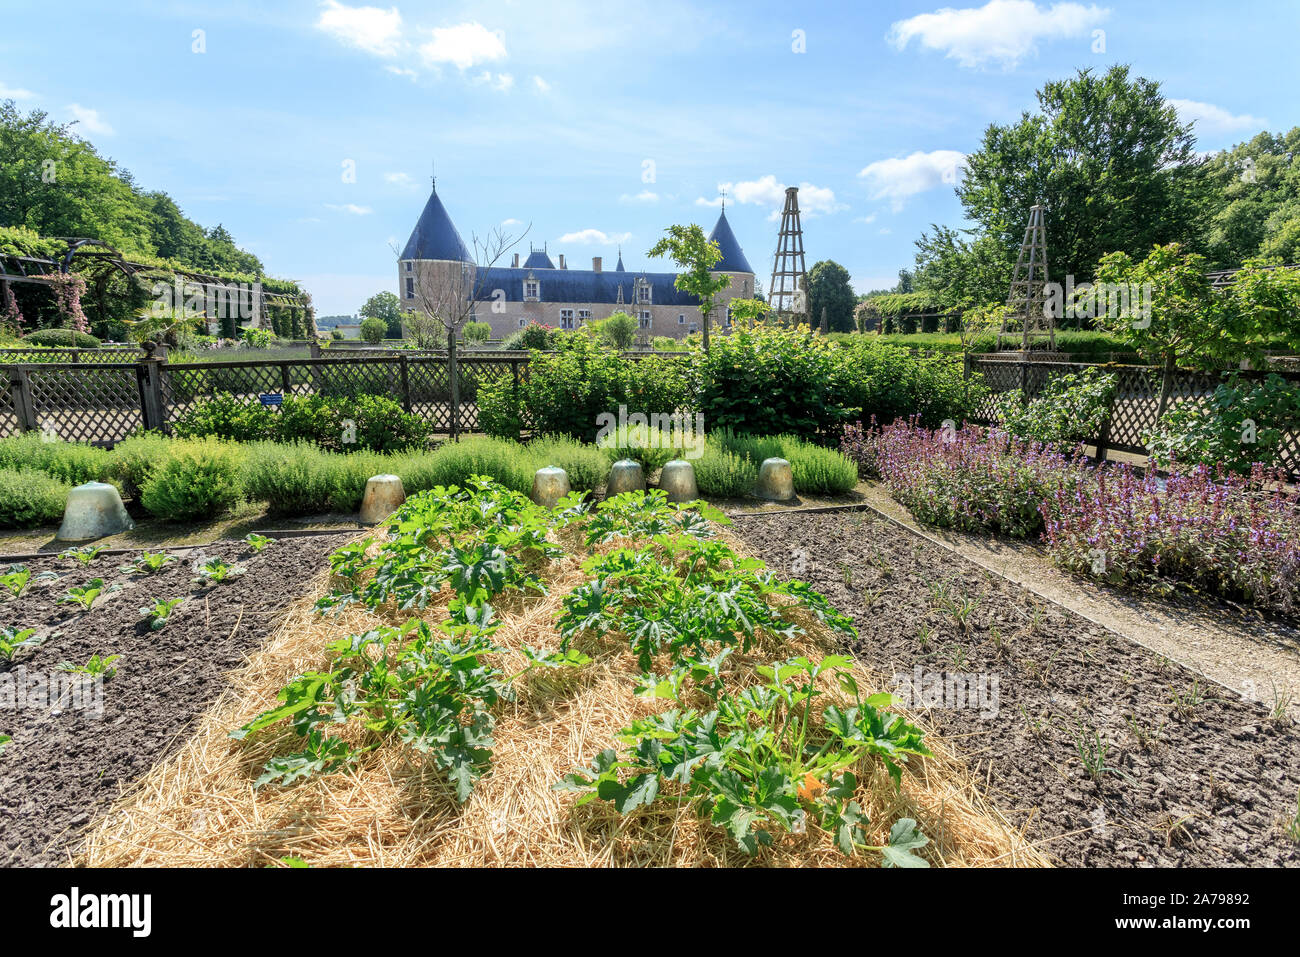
787,291
1027,315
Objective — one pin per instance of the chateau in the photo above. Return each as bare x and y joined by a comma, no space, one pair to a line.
436,268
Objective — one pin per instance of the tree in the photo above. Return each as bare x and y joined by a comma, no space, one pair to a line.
1109,159
962,274
1257,200
373,329
830,291
689,248
386,306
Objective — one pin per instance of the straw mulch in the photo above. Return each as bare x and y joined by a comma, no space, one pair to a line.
198,808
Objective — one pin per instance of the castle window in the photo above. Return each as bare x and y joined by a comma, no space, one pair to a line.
645,318
566,318
522,322
408,266
532,289
681,319
584,316
643,293
410,288
692,329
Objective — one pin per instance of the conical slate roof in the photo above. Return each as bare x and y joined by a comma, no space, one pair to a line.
733,258
537,259
434,236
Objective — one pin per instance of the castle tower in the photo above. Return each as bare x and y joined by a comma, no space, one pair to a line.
786,293
1027,314
733,263
435,267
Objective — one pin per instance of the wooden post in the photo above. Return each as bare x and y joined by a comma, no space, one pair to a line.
406,384
20,388
286,380
149,377
453,381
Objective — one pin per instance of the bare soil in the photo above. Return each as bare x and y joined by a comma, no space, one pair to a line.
1183,773
66,763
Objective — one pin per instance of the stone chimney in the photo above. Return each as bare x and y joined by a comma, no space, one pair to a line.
595,264
562,265
515,264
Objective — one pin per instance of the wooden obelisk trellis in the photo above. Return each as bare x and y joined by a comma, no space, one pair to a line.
1026,313
787,292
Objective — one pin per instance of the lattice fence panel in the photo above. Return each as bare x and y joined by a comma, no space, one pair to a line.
8,416
186,386
362,377
474,372
430,388
99,404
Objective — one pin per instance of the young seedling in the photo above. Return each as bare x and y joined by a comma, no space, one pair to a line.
96,667
1185,704
16,579
1280,712
86,595
12,641
148,563
216,570
257,542
4,740
158,613
83,555
1146,738
1092,751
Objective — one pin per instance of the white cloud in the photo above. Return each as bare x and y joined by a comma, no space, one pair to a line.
501,82
1215,119
464,45
595,237
645,196
352,208
401,71
766,191
372,29
865,219
899,179
512,222
540,85
1005,31
90,119
399,179
885,230
15,93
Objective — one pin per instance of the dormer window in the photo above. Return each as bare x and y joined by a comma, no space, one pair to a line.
643,293
408,265
532,289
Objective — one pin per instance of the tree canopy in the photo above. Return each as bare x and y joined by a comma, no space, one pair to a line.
829,289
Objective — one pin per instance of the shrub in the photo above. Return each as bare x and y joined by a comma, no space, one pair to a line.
500,409
455,462
1241,424
136,457
224,416
373,330
477,332
567,391
294,478
721,473
383,425
532,336
1238,536
618,331
61,337
816,470
72,463
1070,408
199,480
588,467
650,446
971,478
769,380
29,498
876,380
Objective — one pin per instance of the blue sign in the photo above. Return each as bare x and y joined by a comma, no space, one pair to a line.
271,398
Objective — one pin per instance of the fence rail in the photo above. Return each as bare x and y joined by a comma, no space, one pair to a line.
104,402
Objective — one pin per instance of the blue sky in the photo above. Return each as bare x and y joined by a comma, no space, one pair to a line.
601,123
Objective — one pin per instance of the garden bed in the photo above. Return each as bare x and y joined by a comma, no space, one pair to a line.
1191,775
64,766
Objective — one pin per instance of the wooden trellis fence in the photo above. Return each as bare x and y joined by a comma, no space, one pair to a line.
103,402
1134,409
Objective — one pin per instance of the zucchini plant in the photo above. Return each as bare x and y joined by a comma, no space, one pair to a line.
148,563
84,555
257,542
215,571
96,667
765,759
158,613
86,595
12,641
16,579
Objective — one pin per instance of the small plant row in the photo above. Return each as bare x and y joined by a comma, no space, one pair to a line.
757,759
